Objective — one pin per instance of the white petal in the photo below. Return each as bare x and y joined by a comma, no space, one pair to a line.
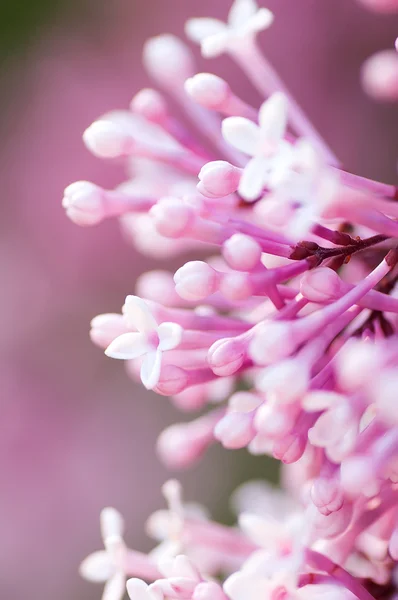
112,523
137,589
241,587
128,345
241,11
138,314
116,549
216,44
170,335
260,21
253,178
150,368
199,29
115,587
96,567
273,117
241,133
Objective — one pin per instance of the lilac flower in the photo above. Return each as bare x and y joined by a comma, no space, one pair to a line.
277,310
148,342
245,20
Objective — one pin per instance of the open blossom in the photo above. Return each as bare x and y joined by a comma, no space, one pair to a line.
285,338
245,20
148,342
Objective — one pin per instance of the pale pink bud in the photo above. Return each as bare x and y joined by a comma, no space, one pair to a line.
105,328
84,203
244,402
196,280
157,286
289,449
242,252
108,139
320,285
172,217
168,60
236,286
150,104
327,495
182,444
218,178
271,343
380,75
235,430
208,590
357,475
208,90
335,523
287,381
356,365
275,421
226,356
173,380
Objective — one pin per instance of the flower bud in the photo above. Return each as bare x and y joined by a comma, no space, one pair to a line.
242,252
208,90
168,60
172,217
218,178
196,280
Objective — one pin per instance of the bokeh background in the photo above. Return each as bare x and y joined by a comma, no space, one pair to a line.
75,433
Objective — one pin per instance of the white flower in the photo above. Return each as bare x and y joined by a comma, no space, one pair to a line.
168,527
271,154
305,184
245,20
108,565
148,342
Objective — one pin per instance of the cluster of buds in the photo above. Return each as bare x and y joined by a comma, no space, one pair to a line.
297,306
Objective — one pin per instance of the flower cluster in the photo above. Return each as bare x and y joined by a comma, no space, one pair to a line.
285,338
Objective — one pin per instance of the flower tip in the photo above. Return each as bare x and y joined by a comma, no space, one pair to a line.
168,60
208,90
106,139
112,523
150,104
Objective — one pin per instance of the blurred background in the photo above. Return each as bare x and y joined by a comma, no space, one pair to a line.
75,433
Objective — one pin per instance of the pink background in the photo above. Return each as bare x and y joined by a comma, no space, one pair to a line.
75,433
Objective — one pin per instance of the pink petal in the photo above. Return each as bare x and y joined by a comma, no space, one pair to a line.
128,345
150,368
138,314
170,335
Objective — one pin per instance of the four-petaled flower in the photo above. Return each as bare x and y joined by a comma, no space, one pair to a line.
245,20
108,565
270,153
148,342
